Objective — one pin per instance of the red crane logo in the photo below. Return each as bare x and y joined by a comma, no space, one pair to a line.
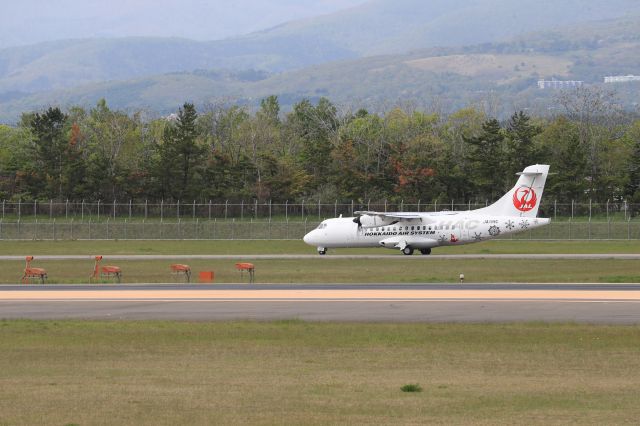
525,199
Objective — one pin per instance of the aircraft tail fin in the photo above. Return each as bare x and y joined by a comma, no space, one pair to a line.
524,198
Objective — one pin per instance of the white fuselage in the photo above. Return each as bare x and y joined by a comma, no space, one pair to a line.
429,231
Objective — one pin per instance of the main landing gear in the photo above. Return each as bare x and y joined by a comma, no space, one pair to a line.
408,251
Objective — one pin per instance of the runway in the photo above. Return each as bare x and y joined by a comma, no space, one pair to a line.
335,257
504,302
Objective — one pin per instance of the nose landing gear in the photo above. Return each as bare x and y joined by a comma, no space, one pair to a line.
322,251
407,251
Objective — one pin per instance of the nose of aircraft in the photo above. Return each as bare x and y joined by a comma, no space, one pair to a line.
309,238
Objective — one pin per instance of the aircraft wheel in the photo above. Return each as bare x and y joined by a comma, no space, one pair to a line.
322,251
425,252
407,251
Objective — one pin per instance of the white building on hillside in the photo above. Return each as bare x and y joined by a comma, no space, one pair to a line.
621,78
559,84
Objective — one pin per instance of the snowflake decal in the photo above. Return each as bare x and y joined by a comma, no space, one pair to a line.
524,224
478,236
510,225
442,239
494,231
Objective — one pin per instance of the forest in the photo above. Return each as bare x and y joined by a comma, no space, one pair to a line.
318,151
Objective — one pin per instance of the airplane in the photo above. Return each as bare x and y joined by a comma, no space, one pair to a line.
515,212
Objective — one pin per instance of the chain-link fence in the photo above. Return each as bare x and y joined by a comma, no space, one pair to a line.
267,230
310,210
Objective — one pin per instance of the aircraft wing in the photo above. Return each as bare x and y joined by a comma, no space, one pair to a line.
397,216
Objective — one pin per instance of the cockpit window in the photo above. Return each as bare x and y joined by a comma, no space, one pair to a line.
322,226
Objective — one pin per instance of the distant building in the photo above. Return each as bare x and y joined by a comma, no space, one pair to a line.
621,78
559,84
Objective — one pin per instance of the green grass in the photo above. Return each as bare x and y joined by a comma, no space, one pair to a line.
240,247
328,270
293,372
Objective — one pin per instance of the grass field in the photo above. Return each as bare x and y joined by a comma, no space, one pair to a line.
327,270
240,247
307,373
331,269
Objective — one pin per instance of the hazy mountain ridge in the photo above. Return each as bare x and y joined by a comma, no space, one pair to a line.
454,75
375,27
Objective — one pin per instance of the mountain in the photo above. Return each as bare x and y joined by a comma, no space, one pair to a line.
35,21
503,73
372,28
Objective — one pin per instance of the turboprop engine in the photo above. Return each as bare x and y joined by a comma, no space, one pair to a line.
370,221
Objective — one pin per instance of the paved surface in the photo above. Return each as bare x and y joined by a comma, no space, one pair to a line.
335,256
588,303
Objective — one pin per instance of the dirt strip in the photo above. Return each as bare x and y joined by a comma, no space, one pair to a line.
291,295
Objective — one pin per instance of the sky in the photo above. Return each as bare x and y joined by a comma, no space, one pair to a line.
32,21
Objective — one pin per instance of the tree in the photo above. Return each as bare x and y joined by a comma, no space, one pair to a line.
181,156
50,143
486,159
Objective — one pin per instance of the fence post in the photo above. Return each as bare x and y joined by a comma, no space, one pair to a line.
209,209
81,210
72,229
256,210
555,209
385,205
570,220
146,209
233,228
286,210
625,209
419,205
589,214
114,209
3,201
335,209
125,229
161,214
54,230
50,209
270,208
589,226
352,209
318,208
19,210
609,229
629,228
35,210
226,209
108,228
435,206
302,210
193,212
607,210
572,204
242,210
98,211
401,205
130,208
178,210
